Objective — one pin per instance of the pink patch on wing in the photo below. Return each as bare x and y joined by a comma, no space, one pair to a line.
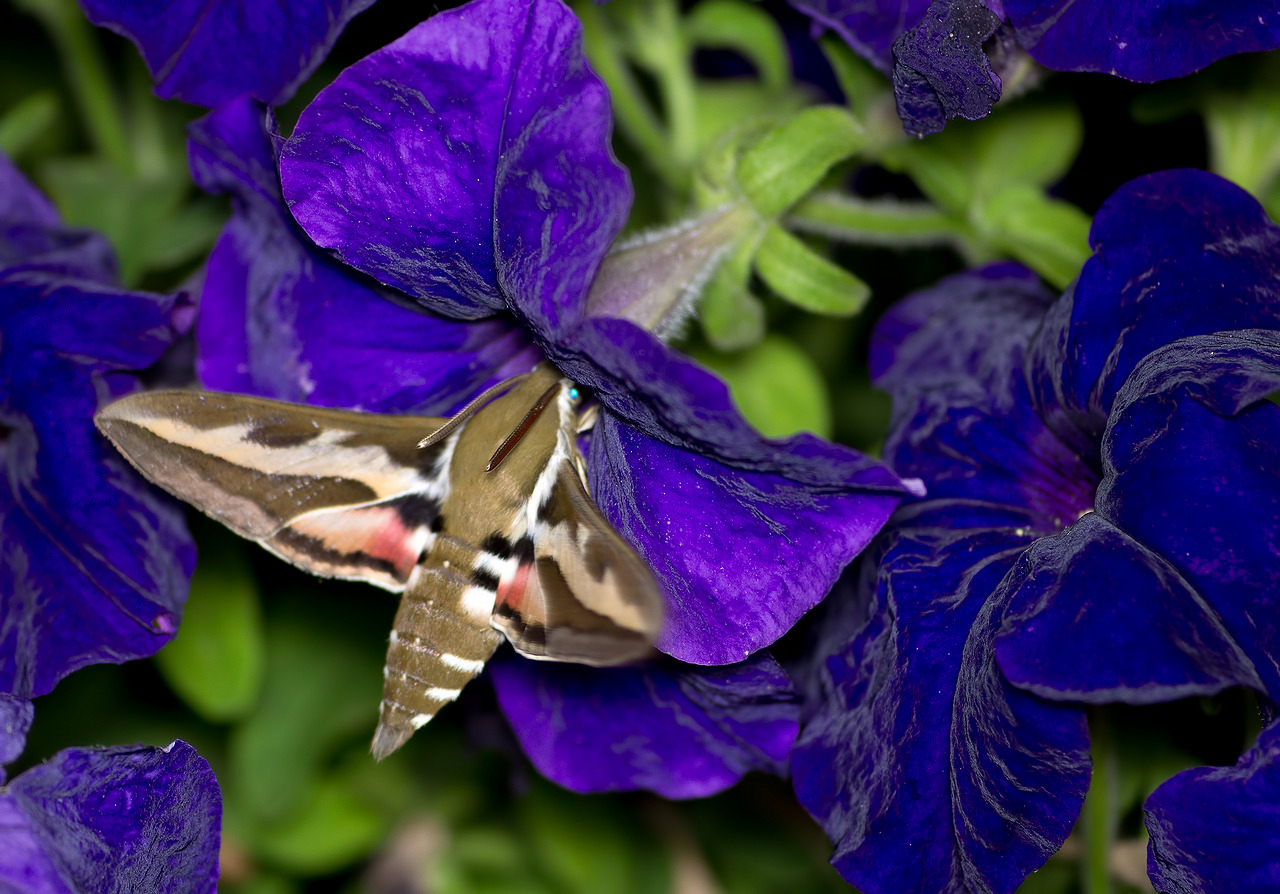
514,587
377,531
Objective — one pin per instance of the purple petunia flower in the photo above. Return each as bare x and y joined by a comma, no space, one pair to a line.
106,819
468,165
208,52
94,562
1103,510
934,50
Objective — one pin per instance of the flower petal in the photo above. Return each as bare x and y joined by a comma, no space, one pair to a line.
279,318
1176,254
1098,617
939,69
952,356
210,51
32,234
740,555
1218,828
678,731
114,819
1141,41
928,771
94,562
16,715
1221,531
467,164
869,27
663,394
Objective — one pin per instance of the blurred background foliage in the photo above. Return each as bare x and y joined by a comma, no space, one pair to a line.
274,675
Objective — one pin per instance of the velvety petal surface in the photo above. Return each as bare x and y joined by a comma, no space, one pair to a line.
663,394
113,819
1098,617
953,356
927,770
1219,439
679,731
739,555
939,69
1218,828
210,51
94,562
467,164
1155,599
869,26
1142,41
1175,254
16,715
282,319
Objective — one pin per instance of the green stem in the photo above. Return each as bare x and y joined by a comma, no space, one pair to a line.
1099,816
87,73
890,222
670,54
635,117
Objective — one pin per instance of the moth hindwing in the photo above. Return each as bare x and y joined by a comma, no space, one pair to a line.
485,530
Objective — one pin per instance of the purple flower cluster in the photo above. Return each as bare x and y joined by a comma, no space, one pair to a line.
934,50
94,567
1103,500
1101,526
467,166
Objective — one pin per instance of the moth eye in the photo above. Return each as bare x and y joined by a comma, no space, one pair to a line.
574,394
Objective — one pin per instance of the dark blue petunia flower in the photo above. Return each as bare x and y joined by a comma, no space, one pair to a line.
106,819
208,52
94,562
934,50
468,165
1101,525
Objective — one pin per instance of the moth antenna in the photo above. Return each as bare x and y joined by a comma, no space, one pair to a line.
523,428
470,410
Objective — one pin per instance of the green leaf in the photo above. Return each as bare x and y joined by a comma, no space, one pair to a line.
731,316
321,691
789,160
1025,143
776,386
807,279
745,28
143,217
27,121
586,844
1244,137
971,161
730,106
868,92
335,827
1048,235
215,662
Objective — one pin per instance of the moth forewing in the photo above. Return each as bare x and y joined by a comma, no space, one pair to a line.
256,465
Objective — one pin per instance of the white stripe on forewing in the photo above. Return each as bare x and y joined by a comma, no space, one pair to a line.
370,464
